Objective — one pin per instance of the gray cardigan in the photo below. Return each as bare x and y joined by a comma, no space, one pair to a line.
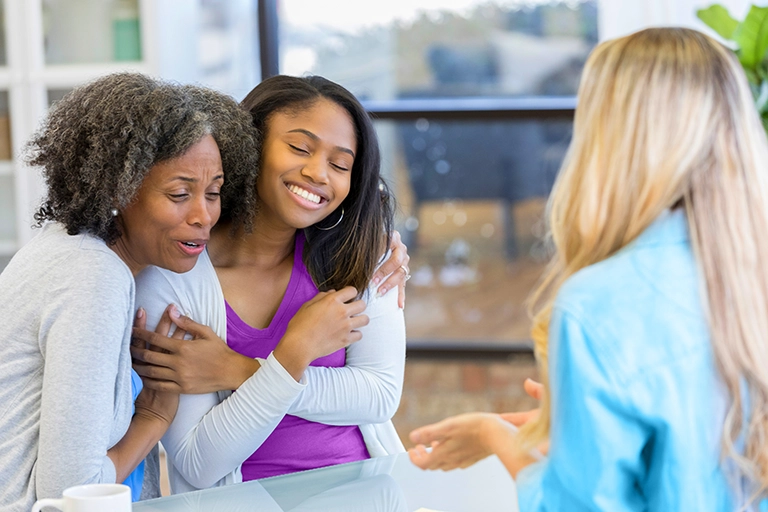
65,381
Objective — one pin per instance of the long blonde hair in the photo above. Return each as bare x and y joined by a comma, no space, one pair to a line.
665,119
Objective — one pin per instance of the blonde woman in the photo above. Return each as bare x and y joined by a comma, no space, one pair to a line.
651,324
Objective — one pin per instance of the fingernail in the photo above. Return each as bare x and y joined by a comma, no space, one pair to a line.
140,313
174,312
376,280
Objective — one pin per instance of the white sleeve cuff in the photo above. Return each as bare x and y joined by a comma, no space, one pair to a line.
274,367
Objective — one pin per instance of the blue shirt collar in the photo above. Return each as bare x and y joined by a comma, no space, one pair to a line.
670,227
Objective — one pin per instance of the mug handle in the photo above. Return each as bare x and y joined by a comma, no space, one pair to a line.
39,504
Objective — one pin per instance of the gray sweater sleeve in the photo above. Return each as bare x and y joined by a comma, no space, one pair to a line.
85,327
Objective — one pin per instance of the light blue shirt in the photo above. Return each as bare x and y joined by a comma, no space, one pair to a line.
637,404
136,479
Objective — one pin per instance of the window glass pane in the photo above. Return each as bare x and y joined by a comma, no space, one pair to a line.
227,46
5,128
471,199
91,31
3,58
7,211
55,95
425,48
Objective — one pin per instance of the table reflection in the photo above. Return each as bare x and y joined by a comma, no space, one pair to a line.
367,487
361,487
382,484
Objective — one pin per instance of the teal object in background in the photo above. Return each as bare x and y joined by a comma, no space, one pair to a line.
126,31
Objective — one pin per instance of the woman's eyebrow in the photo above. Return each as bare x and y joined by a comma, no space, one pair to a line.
188,179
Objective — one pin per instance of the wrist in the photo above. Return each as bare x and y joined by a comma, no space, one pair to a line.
293,361
492,433
500,438
243,368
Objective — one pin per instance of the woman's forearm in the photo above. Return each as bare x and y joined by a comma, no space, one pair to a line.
142,435
207,440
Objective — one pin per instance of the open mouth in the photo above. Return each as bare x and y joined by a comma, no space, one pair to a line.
191,248
309,196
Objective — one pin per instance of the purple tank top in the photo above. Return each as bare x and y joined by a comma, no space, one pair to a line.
296,444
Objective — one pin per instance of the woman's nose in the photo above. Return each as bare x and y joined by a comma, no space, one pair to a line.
316,170
201,212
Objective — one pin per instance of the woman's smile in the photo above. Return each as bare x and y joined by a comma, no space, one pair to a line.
305,194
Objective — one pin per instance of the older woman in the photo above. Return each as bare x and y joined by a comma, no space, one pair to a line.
134,169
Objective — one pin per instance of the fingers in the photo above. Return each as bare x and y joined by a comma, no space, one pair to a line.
152,338
141,319
153,357
395,279
534,389
420,456
154,372
179,334
346,294
355,308
440,456
187,325
166,321
398,253
395,269
358,321
428,434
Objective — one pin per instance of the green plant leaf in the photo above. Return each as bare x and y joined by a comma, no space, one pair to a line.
752,37
718,19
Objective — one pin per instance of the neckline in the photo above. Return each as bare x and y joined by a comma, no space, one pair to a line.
290,290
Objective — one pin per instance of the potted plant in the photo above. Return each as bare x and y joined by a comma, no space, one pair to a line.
749,40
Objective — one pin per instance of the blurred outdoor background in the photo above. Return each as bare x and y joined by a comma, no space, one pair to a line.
473,101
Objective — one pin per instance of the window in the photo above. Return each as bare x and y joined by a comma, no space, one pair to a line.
473,102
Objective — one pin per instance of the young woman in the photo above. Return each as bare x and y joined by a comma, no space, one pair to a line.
651,328
114,154
310,231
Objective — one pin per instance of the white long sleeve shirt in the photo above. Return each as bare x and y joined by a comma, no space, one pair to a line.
214,433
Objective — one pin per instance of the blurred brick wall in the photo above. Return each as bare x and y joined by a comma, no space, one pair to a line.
436,388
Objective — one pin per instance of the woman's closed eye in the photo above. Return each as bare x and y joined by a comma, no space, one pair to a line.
298,149
340,166
179,196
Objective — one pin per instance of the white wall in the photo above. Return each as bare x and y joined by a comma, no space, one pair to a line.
621,17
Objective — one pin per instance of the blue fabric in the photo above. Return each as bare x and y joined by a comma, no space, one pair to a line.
637,406
136,479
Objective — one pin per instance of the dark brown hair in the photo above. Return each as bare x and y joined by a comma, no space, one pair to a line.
348,254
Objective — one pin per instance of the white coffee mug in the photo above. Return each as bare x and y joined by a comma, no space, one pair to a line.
91,498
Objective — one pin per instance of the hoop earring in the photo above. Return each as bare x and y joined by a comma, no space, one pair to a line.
337,222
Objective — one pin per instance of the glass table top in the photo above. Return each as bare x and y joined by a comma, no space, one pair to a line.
382,484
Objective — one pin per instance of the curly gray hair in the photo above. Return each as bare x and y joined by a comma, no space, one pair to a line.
99,142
